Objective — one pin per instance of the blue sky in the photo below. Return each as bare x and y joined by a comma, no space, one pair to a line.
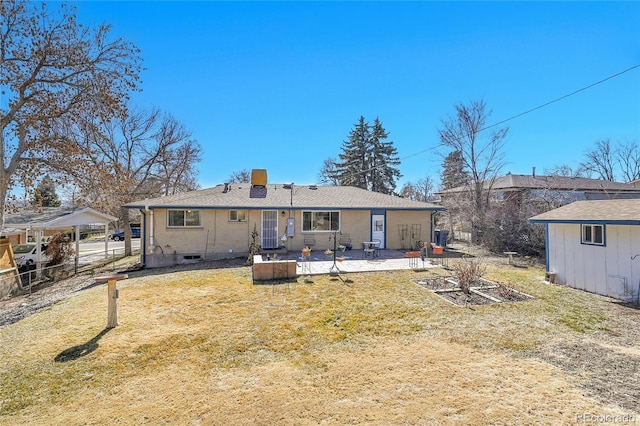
279,85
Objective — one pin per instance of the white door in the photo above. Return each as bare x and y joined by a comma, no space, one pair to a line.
269,229
377,228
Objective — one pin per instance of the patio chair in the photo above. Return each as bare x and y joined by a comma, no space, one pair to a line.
376,247
309,241
369,250
345,240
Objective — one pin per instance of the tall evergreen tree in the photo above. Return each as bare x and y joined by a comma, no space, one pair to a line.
453,171
367,160
351,169
383,156
45,194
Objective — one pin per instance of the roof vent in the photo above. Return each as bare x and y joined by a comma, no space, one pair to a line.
314,187
259,177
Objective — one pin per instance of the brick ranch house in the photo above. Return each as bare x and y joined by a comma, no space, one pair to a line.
223,221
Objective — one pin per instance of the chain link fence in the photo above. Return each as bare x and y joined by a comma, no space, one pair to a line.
30,277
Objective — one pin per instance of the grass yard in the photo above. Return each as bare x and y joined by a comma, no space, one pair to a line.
209,347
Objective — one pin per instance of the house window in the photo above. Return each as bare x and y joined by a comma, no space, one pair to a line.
320,221
184,218
237,215
593,234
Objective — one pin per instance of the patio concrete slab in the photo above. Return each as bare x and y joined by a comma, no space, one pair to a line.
326,267
387,260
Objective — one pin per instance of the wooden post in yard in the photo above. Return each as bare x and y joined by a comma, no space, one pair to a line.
112,294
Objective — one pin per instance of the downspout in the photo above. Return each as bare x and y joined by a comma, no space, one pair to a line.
638,295
143,248
546,245
432,219
143,242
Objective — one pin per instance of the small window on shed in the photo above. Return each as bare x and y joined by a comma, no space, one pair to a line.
593,234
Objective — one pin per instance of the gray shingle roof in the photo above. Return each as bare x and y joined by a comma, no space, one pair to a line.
276,196
608,211
519,182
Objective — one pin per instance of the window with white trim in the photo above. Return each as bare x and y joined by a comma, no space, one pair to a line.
183,218
593,234
318,221
237,215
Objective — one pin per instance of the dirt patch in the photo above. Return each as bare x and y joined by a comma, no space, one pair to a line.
20,307
605,372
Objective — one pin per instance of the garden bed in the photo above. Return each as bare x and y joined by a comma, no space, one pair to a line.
435,283
506,294
486,293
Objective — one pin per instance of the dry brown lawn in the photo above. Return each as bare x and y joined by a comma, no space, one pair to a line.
209,347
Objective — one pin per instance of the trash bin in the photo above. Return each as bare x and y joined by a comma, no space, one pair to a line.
443,238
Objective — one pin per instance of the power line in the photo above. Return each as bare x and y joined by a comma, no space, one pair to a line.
523,113
539,106
561,97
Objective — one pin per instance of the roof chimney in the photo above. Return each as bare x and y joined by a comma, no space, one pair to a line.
533,173
226,188
259,177
258,183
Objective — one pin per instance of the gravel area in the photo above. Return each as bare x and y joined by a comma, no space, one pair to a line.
46,294
19,307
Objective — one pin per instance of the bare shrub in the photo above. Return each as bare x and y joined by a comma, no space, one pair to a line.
59,250
468,274
254,247
506,292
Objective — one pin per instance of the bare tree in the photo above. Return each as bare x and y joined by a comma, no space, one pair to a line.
565,170
145,155
52,71
423,190
328,172
610,160
177,154
629,160
600,160
243,176
480,150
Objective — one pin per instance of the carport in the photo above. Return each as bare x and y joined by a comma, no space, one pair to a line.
34,223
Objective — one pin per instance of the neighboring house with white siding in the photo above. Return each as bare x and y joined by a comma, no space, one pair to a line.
595,246
219,222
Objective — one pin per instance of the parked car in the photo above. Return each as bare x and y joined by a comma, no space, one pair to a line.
119,236
25,254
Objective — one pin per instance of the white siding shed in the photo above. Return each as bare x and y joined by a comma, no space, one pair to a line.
595,246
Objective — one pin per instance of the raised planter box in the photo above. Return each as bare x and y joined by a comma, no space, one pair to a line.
486,293
267,270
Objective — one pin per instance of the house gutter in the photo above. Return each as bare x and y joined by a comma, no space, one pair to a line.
146,215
